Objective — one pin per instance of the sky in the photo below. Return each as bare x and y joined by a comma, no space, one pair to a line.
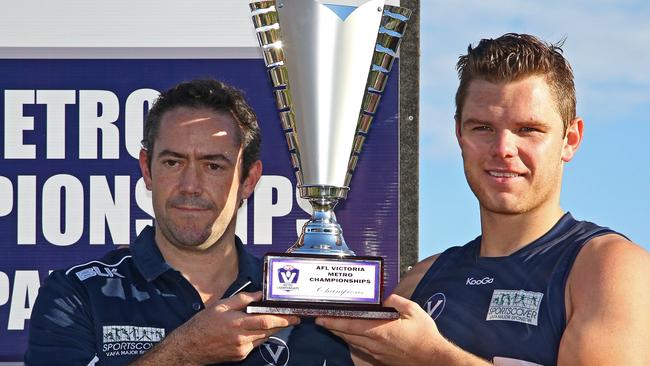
608,46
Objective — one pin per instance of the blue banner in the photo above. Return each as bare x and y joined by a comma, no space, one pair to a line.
71,189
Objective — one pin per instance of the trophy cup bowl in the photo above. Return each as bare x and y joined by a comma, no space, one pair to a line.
328,65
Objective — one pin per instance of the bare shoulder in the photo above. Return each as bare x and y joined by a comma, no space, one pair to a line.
607,300
606,261
408,283
609,258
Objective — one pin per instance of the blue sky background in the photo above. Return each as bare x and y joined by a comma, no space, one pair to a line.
608,45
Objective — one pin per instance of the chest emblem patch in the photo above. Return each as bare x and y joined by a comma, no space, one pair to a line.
128,340
515,306
435,304
275,352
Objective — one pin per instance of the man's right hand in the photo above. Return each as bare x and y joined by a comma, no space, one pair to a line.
221,332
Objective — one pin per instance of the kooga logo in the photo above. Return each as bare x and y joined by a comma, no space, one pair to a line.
484,281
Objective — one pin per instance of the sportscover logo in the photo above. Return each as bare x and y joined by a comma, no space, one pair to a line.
275,352
483,281
123,340
515,306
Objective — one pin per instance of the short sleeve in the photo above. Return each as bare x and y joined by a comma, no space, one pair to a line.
61,328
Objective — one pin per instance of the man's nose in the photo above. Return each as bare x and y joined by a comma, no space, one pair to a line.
504,144
190,181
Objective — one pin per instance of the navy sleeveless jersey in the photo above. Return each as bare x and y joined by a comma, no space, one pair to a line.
511,307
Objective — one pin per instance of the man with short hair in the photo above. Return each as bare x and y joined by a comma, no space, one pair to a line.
176,296
538,287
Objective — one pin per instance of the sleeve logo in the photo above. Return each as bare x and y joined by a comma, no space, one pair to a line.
93,271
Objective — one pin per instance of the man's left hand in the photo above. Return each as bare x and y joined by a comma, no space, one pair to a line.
409,340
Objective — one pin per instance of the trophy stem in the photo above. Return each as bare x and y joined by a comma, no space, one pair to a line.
322,234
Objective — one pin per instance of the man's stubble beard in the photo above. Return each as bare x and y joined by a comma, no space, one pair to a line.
188,234
535,196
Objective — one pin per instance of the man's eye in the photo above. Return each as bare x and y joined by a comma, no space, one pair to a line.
528,129
482,128
170,163
214,166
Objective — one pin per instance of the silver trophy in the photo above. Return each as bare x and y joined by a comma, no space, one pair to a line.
328,65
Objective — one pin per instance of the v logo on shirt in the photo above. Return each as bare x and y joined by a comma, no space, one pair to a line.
275,352
275,355
435,304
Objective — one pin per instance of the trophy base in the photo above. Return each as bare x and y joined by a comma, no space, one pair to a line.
322,309
322,285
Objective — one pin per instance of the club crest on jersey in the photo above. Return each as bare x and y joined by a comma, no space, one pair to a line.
515,306
435,304
275,352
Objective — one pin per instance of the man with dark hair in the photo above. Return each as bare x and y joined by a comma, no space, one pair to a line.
213,95
537,287
176,296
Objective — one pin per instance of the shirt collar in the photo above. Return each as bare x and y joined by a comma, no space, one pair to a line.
146,255
249,277
151,263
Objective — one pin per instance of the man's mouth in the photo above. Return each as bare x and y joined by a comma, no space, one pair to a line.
190,203
502,174
188,208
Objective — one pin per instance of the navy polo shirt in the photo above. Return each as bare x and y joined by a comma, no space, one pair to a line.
112,310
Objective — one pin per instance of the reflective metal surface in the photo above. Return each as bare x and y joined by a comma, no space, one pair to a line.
279,76
328,61
329,74
282,99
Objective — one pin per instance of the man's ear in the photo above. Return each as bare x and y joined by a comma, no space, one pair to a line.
143,160
572,139
254,174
